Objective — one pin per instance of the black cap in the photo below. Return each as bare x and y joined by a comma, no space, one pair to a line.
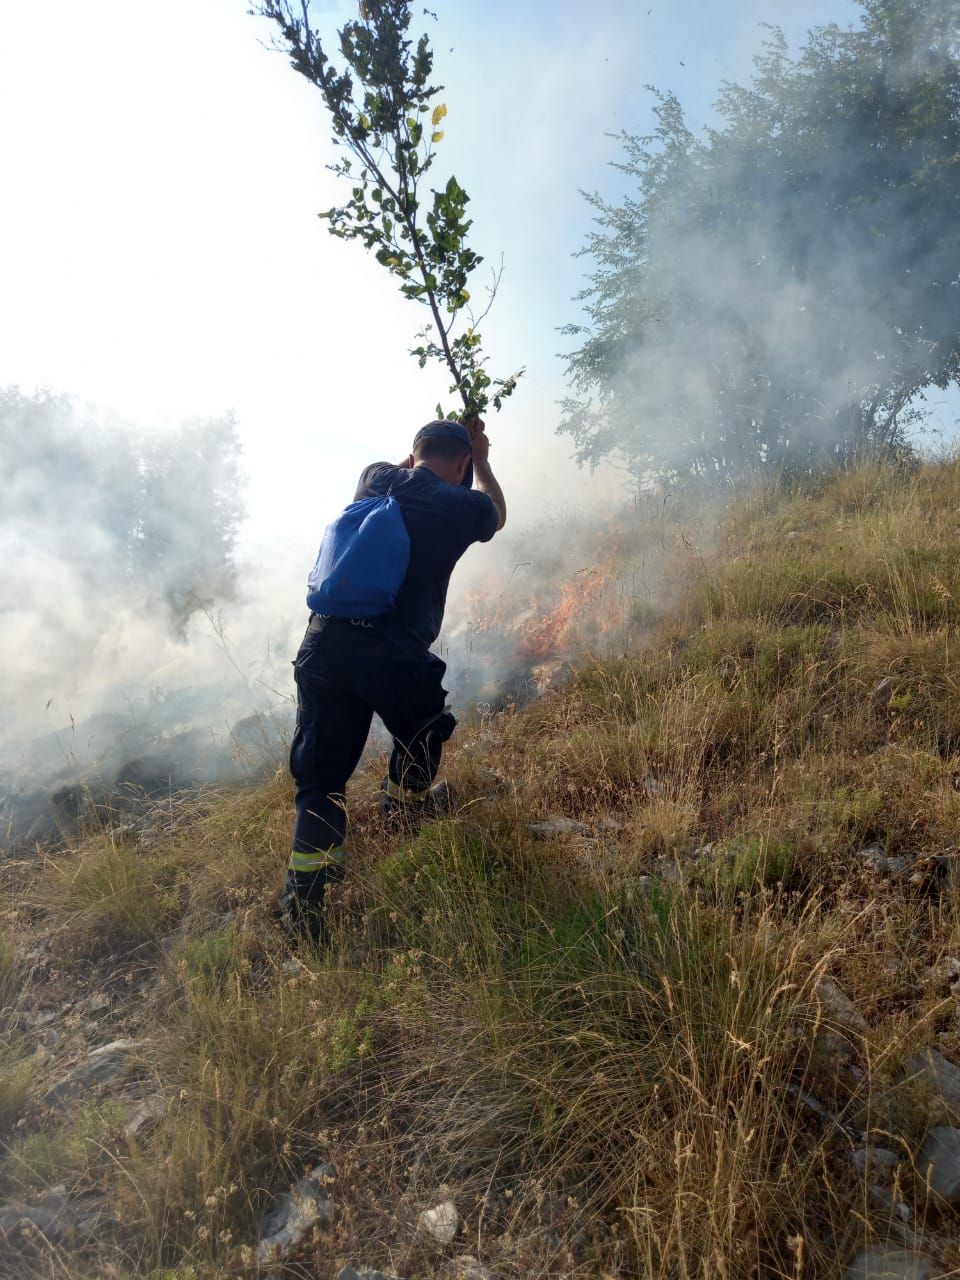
441,427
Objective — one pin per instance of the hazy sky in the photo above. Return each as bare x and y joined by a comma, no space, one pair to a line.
159,247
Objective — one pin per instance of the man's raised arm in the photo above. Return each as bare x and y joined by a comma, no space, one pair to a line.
483,477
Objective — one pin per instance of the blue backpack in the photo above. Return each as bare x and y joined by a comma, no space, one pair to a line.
363,561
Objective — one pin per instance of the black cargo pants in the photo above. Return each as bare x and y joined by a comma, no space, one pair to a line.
345,671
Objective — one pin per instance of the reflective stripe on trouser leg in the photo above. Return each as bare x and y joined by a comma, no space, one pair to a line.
393,791
319,860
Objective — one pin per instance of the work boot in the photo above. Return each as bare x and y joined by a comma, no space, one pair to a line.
408,814
302,920
300,907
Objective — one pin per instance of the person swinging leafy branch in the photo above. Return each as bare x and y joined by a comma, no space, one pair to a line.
387,121
367,652
350,667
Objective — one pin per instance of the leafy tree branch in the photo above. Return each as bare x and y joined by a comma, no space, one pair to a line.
387,122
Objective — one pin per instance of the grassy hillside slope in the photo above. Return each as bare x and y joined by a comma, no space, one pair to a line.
650,1040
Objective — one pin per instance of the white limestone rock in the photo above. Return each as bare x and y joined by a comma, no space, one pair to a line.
441,1223
295,1213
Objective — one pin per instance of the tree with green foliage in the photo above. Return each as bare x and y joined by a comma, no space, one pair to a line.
387,121
779,291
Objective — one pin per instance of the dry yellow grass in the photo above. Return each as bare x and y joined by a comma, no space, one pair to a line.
603,1045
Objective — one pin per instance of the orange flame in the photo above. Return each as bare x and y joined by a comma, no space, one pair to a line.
543,637
551,624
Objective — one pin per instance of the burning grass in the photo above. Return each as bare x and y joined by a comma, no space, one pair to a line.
615,1047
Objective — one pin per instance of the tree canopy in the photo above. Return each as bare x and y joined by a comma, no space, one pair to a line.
778,291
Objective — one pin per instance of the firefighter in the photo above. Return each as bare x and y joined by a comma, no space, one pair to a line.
347,669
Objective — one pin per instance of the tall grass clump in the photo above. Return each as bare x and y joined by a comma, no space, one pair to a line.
112,897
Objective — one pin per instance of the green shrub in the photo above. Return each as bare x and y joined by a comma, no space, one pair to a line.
746,865
207,962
